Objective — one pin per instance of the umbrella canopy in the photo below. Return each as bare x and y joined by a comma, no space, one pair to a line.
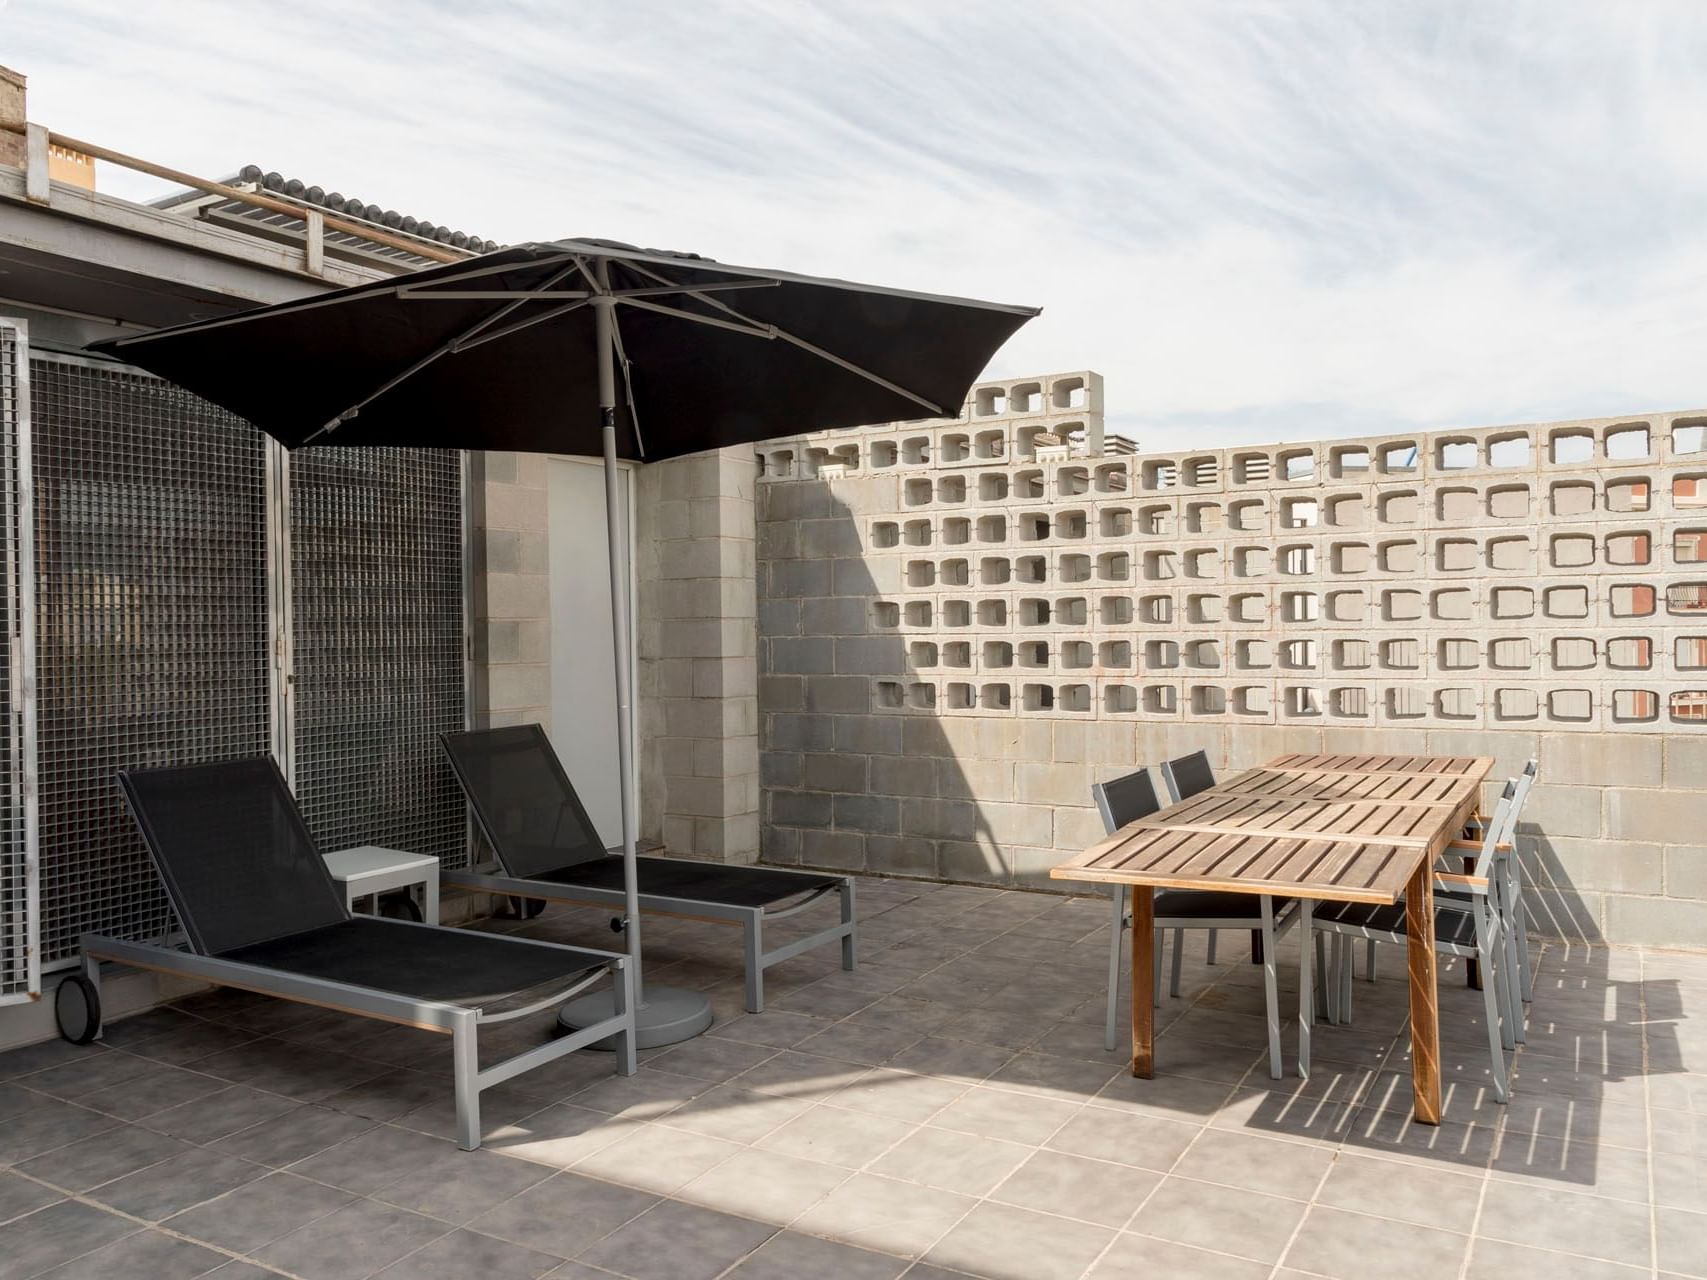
588,347
499,353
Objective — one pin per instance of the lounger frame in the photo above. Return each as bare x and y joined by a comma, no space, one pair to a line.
751,920
461,1022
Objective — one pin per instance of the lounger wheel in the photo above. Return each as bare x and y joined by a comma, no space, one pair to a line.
400,906
77,1009
527,908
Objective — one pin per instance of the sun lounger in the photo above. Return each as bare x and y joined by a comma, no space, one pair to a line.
547,848
262,913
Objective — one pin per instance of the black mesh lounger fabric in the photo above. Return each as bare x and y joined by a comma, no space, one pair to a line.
540,831
231,847
454,966
523,798
695,881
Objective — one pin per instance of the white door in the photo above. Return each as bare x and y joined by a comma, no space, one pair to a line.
583,677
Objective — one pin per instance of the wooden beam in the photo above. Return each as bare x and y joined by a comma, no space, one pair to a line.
378,235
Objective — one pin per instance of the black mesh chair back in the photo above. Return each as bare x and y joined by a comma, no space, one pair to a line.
232,849
1126,799
522,799
1188,775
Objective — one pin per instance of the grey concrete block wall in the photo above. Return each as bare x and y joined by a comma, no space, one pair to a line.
1031,606
510,590
698,677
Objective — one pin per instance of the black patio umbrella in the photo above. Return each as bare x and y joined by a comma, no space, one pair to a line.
522,349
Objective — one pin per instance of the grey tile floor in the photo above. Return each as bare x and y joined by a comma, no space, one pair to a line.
945,1110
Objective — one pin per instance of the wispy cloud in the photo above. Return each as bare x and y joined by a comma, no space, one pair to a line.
1259,220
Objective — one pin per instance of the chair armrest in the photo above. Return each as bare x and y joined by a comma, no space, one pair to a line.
1476,884
1465,846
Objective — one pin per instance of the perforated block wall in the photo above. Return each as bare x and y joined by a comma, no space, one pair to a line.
965,623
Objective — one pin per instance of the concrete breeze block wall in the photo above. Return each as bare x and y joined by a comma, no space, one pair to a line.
965,623
510,589
698,677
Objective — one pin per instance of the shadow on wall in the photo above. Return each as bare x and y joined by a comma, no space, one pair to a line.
848,784
864,768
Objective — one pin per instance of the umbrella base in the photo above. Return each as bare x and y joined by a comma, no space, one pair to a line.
668,1016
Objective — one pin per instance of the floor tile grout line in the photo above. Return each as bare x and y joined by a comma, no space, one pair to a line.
1361,1095
1169,1172
143,1224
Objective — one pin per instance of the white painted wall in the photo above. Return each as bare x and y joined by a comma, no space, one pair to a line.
583,682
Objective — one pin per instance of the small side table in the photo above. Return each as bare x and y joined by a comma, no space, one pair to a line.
368,871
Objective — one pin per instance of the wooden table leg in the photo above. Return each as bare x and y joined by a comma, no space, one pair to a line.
1425,995
1143,980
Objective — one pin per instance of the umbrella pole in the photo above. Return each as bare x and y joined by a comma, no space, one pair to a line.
663,1015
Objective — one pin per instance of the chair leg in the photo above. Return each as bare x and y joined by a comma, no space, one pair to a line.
623,984
1306,987
1328,966
1271,992
850,917
1156,963
465,1067
1323,995
1511,980
752,937
1109,1027
1212,934
1256,946
1369,961
1496,975
1491,1012
1173,968
1345,1002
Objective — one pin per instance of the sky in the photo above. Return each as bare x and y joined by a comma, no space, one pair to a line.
1259,221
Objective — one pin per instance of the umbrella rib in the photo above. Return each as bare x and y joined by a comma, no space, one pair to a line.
628,387
442,350
542,294
751,329
793,339
469,344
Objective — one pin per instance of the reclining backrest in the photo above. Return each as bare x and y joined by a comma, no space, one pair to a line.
522,799
232,849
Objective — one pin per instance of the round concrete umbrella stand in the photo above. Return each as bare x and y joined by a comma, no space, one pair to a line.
668,1016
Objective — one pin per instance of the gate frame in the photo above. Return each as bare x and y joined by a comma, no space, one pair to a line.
21,669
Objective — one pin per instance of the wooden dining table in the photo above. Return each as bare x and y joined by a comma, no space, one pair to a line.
1319,828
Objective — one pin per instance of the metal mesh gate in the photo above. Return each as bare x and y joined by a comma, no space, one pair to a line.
376,599
151,541
19,945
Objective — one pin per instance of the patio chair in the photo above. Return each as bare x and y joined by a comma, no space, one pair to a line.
1185,777
547,849
1467,923
262,913
1131,797
1508,872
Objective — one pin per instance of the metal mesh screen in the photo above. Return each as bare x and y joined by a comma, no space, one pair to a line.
377,626
151,623
16,927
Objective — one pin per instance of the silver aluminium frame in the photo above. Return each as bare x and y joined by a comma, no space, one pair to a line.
281,663
751,920
21,667
461,1022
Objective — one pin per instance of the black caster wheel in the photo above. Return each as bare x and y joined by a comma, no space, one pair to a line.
77,1008
527,908
400,906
